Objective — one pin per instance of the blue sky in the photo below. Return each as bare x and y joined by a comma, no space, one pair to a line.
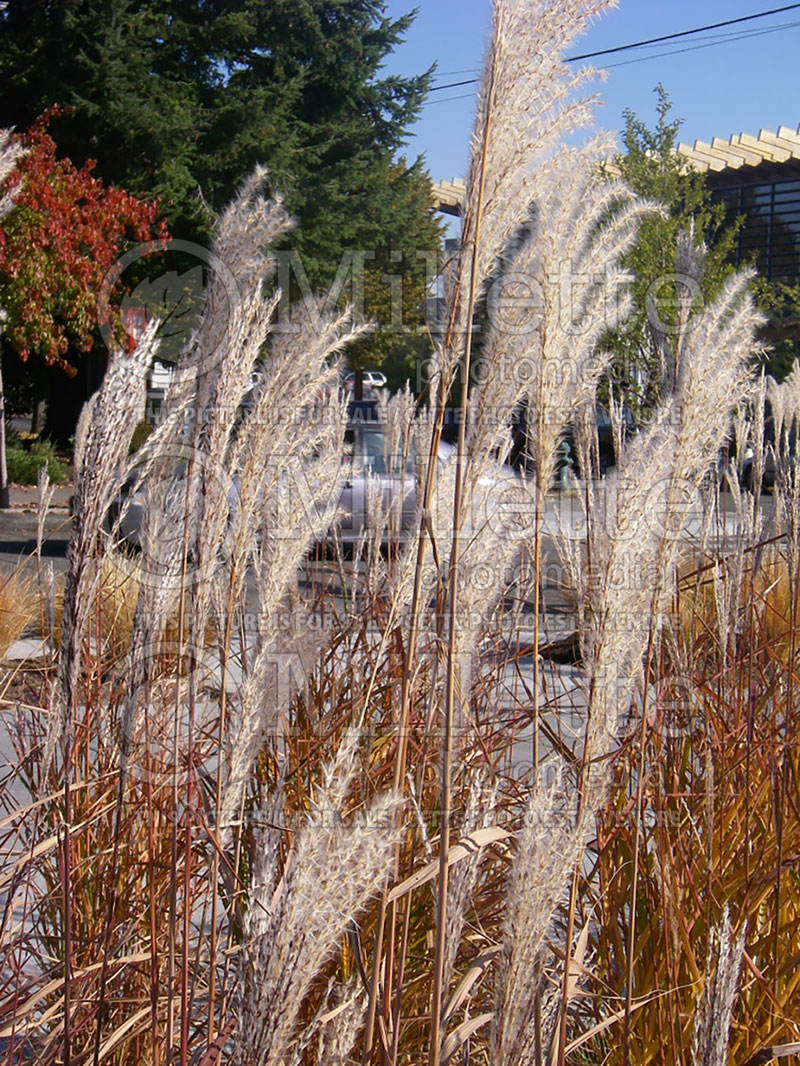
732,86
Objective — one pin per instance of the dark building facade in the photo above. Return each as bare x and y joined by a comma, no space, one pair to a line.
770,236
758,178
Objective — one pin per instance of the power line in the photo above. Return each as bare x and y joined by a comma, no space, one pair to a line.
651,40
448,73
684,33
446,99
725,39
454,84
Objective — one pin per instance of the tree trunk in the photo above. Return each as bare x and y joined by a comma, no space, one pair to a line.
36,416
66,396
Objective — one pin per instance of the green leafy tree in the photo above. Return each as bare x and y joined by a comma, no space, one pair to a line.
780,302
364,217
128,102
654,170
178,100
383,270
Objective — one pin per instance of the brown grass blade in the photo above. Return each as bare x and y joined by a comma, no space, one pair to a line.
465,847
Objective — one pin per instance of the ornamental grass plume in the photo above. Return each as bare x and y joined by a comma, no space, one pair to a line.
526,108
339,1029
293,515
636,532
784,403
640,511
213,375
556,289
631,551
715,1003
560,288
102,443
570,257
719,791
229,483
520,179
287,458
258,483
549,844
784,406
10,152
300,906
182,466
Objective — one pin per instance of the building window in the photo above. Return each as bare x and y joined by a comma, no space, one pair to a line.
770,236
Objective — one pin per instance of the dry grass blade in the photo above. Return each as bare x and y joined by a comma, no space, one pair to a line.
576,974
465,848
777,1051
468,981
455,1040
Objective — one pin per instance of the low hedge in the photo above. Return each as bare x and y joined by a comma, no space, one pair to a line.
23,464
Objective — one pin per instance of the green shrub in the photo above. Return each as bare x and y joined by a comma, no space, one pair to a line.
140,435
23,463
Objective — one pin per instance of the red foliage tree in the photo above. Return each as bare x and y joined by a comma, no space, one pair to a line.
57,245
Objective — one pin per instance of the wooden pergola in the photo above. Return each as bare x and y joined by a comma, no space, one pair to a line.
745,150
768,150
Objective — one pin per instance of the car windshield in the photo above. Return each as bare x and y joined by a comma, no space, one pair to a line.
375,457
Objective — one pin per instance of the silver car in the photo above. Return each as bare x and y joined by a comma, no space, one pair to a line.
378,481
373,480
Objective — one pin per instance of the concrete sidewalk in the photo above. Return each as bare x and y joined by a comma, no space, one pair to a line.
26,497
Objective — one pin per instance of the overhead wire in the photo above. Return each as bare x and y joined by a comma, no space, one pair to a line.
445,99
721,39
711,43
686,33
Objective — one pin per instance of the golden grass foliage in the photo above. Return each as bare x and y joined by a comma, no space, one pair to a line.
19,607
117,593
720,831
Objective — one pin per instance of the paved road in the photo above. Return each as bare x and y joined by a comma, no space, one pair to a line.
18,536
563,517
